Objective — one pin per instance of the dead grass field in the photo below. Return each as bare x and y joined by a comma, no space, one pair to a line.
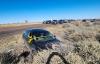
18,24
81,44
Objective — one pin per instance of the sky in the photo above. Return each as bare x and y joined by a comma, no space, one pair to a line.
15,11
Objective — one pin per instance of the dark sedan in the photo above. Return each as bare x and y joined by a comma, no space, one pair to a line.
37,39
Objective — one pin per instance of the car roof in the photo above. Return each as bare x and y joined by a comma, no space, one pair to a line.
37,30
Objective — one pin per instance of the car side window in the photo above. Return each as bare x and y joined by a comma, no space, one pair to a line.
26,33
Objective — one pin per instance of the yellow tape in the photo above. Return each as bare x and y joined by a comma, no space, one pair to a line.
31,39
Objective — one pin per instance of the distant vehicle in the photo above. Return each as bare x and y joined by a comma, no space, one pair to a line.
47,22
54,22
70,20
38,39
65,21
61,21
84,20
44,22
93,20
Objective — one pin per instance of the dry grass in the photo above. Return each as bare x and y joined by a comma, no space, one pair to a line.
18,24
86,41
81,44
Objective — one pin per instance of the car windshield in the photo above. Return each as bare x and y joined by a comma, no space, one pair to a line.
42,35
